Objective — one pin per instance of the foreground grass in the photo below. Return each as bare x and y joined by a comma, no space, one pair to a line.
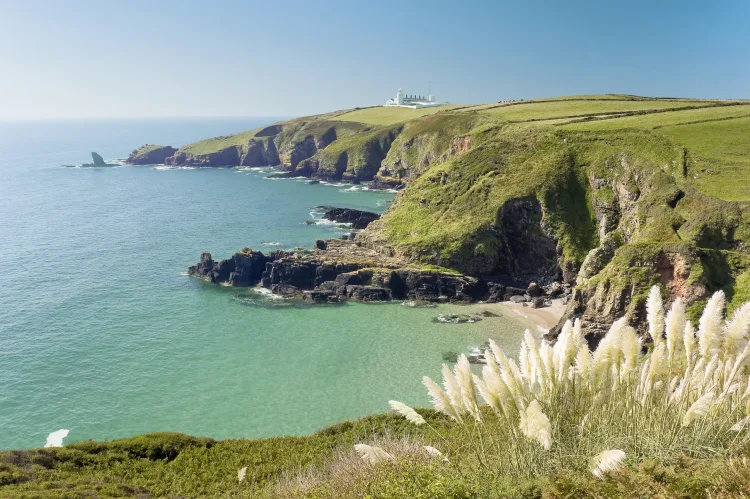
173,465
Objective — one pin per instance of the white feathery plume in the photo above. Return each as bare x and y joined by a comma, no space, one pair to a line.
736,330
440,400
630,345
547,355
643,378
698,409
563,350
583,363
241,474
535,425
525,362
675,326
410,414
508,370
578,340
497,388
373,454
465,382
709,326
536,358
488,396
607,461
655,315
55,439
432,451
608,352
657,357
453,390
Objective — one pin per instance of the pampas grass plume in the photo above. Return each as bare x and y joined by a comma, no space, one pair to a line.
607,461
373,454
241,474
410,414
698,409
536,425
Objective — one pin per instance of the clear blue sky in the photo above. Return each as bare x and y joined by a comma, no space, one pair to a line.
282,58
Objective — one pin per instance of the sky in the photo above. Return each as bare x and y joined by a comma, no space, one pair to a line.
107,59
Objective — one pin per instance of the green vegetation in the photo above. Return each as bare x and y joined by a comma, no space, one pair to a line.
380,115
531,110
561,423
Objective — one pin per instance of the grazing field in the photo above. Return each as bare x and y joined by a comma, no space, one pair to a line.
388,115
526,111
655,120
719,156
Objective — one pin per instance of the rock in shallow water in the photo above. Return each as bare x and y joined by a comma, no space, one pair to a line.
458,318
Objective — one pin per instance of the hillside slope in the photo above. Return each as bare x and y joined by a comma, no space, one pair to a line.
606,194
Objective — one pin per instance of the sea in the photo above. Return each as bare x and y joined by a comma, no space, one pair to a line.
103,333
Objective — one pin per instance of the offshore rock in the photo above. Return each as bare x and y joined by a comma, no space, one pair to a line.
358,218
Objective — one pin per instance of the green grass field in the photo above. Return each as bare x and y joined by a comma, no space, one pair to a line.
214,144
560,109
389,115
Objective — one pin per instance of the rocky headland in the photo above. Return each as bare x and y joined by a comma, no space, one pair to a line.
488,207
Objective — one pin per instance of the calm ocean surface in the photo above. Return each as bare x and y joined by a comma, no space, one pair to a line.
102,333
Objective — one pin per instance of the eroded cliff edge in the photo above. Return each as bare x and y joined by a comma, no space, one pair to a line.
603,215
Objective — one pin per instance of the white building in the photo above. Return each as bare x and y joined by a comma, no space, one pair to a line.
412,101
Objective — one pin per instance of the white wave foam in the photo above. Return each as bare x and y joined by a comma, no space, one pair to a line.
55,439
271,243
266,293
167,167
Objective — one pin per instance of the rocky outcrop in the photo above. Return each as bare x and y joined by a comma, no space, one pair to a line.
357,218
336,271
150,154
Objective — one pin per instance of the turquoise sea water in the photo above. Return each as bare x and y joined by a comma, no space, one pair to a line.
102,333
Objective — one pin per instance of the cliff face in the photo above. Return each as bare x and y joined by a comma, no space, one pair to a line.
603,213
150,155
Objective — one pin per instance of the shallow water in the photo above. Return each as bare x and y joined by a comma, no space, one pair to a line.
102,333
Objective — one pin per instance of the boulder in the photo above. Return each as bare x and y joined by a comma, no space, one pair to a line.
518,299
537,302
533,290
358,218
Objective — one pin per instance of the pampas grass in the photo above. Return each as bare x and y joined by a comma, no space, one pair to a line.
410,414
373,454
607,461
689,394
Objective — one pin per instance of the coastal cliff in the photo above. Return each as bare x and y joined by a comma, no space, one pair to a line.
559,195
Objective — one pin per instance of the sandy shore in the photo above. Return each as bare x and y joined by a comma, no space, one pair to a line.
546,317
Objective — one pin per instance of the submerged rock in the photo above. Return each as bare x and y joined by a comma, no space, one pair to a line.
458,318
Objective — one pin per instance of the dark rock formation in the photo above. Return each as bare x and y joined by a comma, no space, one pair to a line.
340,270
150,155
359,219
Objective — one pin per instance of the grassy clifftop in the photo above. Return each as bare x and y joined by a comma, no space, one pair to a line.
559,188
